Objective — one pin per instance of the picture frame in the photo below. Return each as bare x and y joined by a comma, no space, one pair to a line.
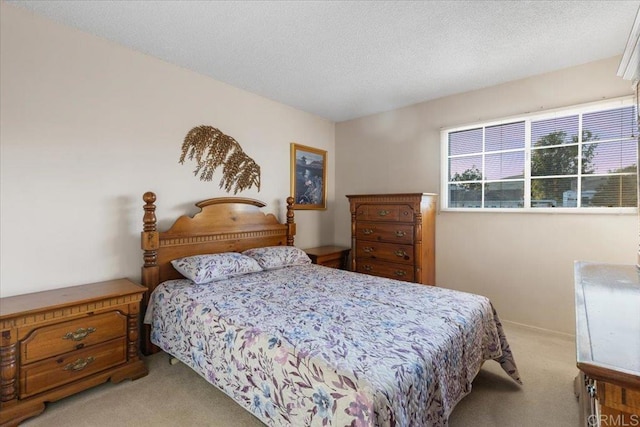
308,177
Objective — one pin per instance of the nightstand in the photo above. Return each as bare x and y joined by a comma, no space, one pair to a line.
330,256
59,342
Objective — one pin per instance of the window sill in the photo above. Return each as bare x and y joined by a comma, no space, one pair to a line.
576,211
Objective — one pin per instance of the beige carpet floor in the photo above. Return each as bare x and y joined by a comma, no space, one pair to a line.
174,395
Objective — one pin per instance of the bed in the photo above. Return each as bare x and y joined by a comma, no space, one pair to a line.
301,344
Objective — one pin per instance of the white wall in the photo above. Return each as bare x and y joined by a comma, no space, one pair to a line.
522,262
88,126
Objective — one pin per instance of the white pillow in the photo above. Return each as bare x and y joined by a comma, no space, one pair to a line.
210,267
272,257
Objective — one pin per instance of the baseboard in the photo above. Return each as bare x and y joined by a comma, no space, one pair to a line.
536,328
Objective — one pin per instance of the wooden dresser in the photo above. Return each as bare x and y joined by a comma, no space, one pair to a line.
608,343
393,235
59,342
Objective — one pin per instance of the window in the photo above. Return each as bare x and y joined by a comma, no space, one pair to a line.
582,159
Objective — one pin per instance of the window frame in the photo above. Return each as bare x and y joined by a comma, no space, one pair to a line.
528,118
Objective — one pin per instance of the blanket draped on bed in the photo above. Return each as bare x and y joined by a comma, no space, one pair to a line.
310,345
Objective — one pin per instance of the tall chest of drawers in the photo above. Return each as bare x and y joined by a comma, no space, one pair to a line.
393,235
59,342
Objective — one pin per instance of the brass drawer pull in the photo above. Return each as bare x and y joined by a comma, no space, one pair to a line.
383,213
78,335
400,233
367,249
367,231
400,253
367,267
79,364
401,273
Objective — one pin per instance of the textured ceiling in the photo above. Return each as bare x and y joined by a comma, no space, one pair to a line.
347,59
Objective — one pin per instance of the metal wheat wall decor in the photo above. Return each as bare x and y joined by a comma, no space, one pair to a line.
211,148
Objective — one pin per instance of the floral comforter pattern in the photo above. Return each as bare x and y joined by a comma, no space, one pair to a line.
310,345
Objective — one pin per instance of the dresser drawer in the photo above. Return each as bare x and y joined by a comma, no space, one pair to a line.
619,398
382,212
385,232
385,269
56,371
63,337
385,251
333,263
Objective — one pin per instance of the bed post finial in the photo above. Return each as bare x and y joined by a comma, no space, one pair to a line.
291,225
149,218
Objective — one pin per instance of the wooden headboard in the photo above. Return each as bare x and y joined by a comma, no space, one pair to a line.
225,224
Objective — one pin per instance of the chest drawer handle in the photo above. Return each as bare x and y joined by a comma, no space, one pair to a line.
367,231
400,253
400,233
400,273
367,267
383,213
78,335
79,364
367,249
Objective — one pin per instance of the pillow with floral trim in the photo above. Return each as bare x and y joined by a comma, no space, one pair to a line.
207,268
272,257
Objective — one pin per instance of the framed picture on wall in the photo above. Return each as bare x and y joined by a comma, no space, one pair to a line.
308,177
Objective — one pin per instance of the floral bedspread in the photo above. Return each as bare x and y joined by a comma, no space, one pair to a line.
311,345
